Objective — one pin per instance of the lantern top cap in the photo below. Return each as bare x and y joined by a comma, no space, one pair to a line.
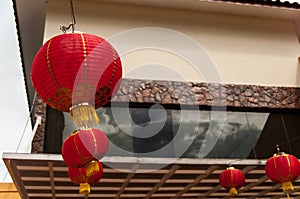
75,132
278,153
78,131
78,105
75,32
230,168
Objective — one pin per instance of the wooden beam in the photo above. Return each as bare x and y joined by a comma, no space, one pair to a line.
51,174
127,180
250,185
9,191
4,187
218,187
196,181
163,180
14,173
210,191
264,192
162,183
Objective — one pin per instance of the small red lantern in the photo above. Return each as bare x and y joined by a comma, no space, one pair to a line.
79,177
283,168
84,148
232,179
77,72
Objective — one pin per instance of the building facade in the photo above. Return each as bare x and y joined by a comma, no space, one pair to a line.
218,79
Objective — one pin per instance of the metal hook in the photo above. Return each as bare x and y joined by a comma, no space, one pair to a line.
73,22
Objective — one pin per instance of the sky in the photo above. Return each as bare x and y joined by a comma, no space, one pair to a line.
14,112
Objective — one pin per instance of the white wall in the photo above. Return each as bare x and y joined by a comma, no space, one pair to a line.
245,50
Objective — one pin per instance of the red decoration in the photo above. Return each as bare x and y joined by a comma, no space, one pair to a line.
232,179
283,168
76,68
79,177
84,147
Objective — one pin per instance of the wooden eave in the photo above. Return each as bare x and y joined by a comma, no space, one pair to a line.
45,176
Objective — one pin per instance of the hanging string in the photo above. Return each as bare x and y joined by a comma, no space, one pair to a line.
72,16
73,20
286,133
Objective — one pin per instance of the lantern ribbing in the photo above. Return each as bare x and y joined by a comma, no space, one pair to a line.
232,179
283,168
78,176
74,69
83,147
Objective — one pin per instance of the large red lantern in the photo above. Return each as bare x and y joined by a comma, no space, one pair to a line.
232,179
283,168
84,148
78,176
77,72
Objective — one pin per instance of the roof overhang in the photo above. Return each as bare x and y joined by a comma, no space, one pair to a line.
30,20
45,176
263,8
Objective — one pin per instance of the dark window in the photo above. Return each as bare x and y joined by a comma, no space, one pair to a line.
190,133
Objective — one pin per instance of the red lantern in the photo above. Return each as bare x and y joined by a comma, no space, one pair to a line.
84,148
283,168
232,179
79,177
77,70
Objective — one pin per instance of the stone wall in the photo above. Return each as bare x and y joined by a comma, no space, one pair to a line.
209,94
38,140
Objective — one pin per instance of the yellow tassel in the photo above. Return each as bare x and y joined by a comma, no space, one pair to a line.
288,196
85,188
84,115
92,168
233,191
287,187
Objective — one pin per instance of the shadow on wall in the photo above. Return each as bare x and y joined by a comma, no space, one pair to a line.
298,73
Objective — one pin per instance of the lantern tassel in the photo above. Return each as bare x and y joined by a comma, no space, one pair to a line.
233,191
84,188
288,196
84,115
287,187
92,168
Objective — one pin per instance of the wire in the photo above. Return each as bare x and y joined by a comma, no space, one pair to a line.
27,122
286,133
24,130
248,125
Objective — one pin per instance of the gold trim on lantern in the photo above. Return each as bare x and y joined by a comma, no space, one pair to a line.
84,188
233,191
75,142
49,65
84,54
92,168
95,141
84,116
115,64
287,187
